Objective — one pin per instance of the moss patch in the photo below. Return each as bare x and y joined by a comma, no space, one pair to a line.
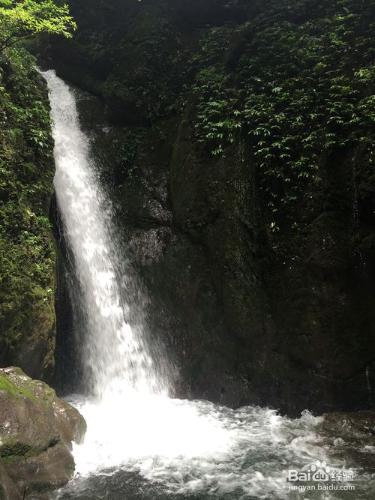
14,390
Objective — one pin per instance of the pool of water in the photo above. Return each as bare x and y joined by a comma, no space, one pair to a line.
154,448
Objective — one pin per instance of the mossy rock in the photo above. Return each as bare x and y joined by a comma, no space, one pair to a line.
8,489
36,432
10,388
27,251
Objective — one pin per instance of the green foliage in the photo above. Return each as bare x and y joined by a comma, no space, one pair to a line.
218,119
23,19
26,173
303,88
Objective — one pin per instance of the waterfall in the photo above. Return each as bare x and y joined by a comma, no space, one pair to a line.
167,446
115,355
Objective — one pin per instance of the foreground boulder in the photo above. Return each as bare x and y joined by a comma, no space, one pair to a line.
36,434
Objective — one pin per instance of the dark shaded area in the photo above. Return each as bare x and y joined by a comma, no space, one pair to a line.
68,374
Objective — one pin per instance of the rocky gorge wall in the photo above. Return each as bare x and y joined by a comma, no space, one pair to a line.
236,139
27,249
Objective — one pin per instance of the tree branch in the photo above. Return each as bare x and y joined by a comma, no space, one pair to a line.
13,39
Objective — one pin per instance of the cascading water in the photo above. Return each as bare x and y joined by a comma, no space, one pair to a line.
115,358
140,443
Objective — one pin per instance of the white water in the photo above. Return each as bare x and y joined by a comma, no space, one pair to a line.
185,447
116,357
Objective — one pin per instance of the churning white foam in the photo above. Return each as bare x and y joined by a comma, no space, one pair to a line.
196,447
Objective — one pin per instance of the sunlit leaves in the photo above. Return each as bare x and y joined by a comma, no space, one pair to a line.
303,87
26,18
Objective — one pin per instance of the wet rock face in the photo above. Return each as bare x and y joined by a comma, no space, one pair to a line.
240,325
36,433
248,312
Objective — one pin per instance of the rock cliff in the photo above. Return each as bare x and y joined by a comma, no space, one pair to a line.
236,139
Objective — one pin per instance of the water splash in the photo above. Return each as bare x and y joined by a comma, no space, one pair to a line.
190,449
